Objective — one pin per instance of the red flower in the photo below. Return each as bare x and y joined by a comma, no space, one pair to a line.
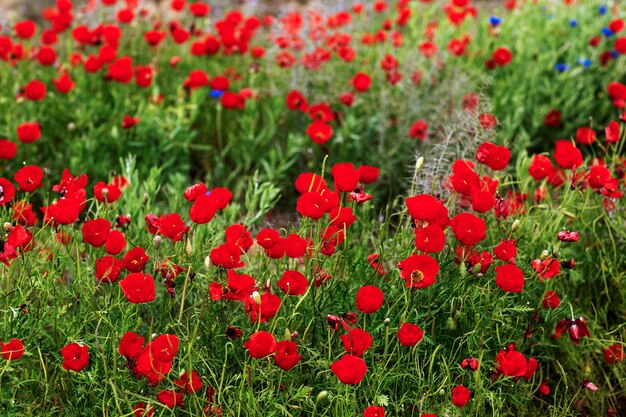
172,226
108,269
419,130
361,82
29,178
319,132
131,345
75,357
409,334
28,132
7,191
369,299
546,269
135,259
8,149
261,344
612,132
189,382
129,122
427,208
506,250
585,136
155,361
502,56
613,354
551,300
293,283
35,90
286,356
170,398
106,193
296,101
25,29
349,369
419,271
12,350
566,155
468,228
96,232
509,278
264,311
116,242
460,395
199,9
312,204
138,288
227,256
121,70
430,239
345,177
495,157
374,411
356,341
203,209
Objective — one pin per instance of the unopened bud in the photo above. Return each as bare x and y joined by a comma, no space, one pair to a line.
515,225
544,254
387,320
157,240
146,198
71,126
207,261
256,297
419,163
7,226
322,395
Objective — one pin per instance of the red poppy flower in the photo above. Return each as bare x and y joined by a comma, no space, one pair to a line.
296,101
172,226
293,283
203,209
566,155
409,334
419,130
115,243
345,177
189,382
427,208
64,211
546,268
7,191
75,357
261,344
468,228
286,356
23,213
135,259
460,395
199,9
430,239
612,355
612,132
170,398
495,157
108,269
28,132
12,350
502,56
35,90
349,369
550,300
361,82
509,278
585,136
25,29
419,271
319,132
312,204
356,341
540,167
138,288
374,411
369,299
265,310
96,232
506,250
8,149
296,246
106,193
227,256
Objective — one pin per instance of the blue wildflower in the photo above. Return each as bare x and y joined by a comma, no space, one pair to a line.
584,62
561,67
602,10
614,54
573,23
216,93
607,32
494,20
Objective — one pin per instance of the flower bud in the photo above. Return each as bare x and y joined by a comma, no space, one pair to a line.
419,163
207,261
544,254
256,297
7,226
157,240
515,225
322,395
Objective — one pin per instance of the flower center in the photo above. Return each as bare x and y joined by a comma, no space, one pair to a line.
417,276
